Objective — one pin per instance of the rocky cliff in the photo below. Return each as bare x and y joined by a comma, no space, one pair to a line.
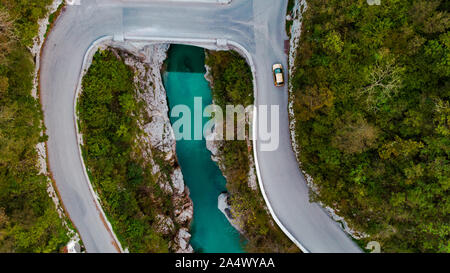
157,142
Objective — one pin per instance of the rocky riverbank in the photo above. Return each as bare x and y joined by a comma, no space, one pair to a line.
244,205
235,219
224,206
214,144
156,144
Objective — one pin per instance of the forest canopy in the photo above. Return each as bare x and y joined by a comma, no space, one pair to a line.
29,221
371,98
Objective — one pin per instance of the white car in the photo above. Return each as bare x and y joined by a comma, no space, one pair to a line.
278,77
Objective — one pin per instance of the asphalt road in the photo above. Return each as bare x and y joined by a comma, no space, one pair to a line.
257,25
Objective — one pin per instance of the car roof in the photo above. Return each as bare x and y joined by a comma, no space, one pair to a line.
275,66
279,78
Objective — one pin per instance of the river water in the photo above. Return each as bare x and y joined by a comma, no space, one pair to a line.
184,80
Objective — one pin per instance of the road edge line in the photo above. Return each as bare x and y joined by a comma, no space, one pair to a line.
249,58
94,46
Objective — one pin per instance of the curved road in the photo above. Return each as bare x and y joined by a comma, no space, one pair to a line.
256,25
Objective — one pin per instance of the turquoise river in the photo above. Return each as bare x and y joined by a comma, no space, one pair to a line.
184,79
